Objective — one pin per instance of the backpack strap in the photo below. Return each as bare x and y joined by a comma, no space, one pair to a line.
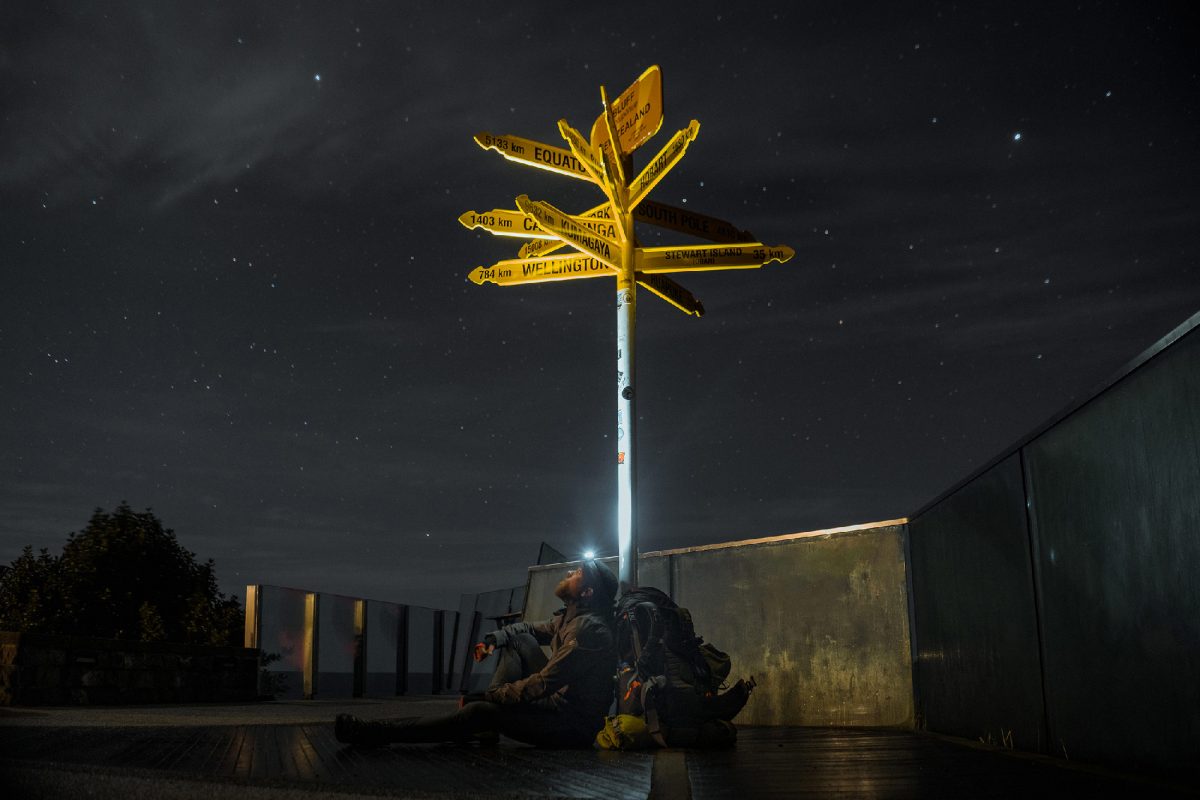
653,639
653,723
637,638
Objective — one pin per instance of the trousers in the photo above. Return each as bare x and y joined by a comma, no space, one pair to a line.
537,722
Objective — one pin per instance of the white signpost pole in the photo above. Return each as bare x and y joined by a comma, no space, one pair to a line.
627,540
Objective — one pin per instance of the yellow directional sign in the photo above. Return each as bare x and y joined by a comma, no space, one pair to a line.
505,222
661,164
544,247
582,151
686,221
698,258
612,159
540,270
653,213
601,225
551,220
637,112
602,173
535,154
672,292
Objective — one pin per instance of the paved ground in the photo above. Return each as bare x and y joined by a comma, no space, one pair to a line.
284,750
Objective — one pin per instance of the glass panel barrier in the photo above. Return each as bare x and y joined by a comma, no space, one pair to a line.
383,624
420,650
281,640
449,621
390,649
495,609
336,646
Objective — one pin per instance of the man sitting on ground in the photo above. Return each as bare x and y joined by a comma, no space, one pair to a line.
560,702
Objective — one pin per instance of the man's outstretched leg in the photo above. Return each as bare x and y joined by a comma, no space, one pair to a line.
521,658
532,724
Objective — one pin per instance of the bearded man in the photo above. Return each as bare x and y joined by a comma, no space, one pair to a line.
557,702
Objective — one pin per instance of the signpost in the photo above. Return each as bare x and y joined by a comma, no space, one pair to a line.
603,243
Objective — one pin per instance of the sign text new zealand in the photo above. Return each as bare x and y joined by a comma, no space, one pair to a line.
637,112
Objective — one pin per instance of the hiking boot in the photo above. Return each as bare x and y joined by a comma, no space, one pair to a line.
727,705
349,729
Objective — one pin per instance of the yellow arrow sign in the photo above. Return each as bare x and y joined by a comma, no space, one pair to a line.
540,270
582,151
686,221
608,181
661,164
535,154
551,220
653,213
544,247
505,222
672,292
637,112
697,258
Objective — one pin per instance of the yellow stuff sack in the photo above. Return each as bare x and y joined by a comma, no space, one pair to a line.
624,732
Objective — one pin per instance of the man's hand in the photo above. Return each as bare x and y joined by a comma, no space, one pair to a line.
483,650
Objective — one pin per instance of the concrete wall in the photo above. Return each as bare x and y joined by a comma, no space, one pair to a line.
39,669
820,619
1068,570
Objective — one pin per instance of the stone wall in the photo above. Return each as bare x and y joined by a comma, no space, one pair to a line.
39,669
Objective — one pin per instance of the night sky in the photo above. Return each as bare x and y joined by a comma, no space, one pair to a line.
233,285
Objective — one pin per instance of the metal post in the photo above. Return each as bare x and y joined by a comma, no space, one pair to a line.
453,650
312,643
627,543
253,614
402,651
438,668
253,626
468,661
360,648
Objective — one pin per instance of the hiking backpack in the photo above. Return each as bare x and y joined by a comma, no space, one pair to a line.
671,676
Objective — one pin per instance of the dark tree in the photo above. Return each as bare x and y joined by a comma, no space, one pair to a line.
31,593
124,576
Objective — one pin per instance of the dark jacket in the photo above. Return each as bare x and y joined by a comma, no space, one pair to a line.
578,679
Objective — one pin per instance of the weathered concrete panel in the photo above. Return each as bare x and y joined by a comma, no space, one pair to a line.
655,570
821,622
1116,508
978,673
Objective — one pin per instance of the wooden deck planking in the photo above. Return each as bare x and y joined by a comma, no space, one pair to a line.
767,763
